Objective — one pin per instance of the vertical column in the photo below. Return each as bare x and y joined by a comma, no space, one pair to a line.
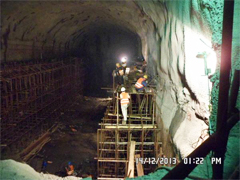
222,116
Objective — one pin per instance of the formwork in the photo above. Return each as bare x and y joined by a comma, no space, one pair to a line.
32,98
113,139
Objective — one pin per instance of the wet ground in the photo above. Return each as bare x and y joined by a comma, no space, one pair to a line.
75,140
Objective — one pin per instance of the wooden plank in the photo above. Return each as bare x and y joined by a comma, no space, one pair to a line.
113,150
132,116
125,143
112,160
139,166
34,144
131,160
144,126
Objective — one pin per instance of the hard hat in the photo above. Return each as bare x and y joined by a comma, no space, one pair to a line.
69,163
117,64
123,89
145,76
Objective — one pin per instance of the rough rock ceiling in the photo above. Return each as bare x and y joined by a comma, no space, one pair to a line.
169,31
41,26
66,22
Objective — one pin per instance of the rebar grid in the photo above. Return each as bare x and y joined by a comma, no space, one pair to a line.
33,97
114,139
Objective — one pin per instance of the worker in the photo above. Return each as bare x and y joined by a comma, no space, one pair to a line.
119,69
118,73
141,83
126,70
124,62
124,97
44,166
70,169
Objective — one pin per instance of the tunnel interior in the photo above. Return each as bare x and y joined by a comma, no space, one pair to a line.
102,47
57,54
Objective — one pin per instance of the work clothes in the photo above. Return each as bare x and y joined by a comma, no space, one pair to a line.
124,104
124,64
140,84
119,75
70,169
124,111
119,71
124,98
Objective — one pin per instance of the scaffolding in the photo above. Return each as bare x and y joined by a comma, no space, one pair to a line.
33,97
114,138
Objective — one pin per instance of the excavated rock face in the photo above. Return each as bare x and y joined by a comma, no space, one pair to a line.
172,34
35,29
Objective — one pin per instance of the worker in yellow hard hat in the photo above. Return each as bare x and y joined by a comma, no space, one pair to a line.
141,83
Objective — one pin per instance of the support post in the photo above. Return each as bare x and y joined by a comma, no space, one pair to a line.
139,166
224,85
117,110
131,160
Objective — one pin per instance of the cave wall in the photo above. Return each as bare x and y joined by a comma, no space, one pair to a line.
42,29
180,28
172,33
53,29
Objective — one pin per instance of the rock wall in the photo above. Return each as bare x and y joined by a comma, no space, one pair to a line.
174,34
54,29
182,30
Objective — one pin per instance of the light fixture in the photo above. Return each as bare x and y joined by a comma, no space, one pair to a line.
204,56
207,70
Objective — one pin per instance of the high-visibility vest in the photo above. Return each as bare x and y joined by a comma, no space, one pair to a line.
71,168
138,84
124,98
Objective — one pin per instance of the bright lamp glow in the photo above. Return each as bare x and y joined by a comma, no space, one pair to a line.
124,59
200,63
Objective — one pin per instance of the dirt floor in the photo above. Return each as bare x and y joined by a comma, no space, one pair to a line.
75,140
